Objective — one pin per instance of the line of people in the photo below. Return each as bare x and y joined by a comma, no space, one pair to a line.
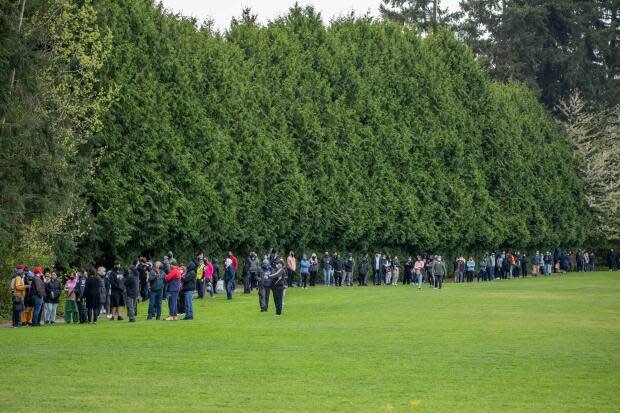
91,293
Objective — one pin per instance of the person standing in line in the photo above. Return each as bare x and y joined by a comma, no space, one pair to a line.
482,272
491,266
349,266
377,268
586,261
216,276
470,266
28,300
209,285
592,263
38,293
395,270
459,269
93,294
80,296
251,272
439,271
363,270
387,270
189,286
428,265
264,287
548,263
156,291
103,291
173,286
523,262
418,269
326,263
200,275
408,271
314,269
71,309
291,267
277,279
535,264
18,288
117,290
52,297
304,271
229,277
337,267
132,291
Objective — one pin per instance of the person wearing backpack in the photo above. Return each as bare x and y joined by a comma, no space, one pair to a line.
18,287
52,297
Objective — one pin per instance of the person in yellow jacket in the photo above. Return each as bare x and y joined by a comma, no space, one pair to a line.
19,293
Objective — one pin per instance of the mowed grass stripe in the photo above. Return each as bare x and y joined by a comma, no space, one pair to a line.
545,345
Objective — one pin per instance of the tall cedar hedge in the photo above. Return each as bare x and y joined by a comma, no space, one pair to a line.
356,135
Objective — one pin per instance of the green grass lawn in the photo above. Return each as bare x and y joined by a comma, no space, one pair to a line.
534,345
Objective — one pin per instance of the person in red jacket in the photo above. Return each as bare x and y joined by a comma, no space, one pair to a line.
173,285
235,263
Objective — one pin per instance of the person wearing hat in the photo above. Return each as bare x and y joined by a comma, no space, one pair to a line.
18,287
278,282
52,296
71,310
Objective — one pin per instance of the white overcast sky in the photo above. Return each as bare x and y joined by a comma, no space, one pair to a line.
222,11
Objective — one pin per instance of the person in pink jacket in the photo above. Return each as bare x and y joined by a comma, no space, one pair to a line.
418,267
209,277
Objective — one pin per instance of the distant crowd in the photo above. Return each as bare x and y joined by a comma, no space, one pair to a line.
89,294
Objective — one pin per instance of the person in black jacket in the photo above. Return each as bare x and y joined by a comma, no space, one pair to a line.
156,290
93,296
363,270
277,279
189,285
117,290
132,291
338,268
80,296
611,259
53,289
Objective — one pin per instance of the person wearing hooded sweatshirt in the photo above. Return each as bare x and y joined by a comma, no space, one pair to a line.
52,298
71,309
93,296
156,291
338,268
173,285
209,277
132,292
189,285
439,271
314,269
18,287
117,290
